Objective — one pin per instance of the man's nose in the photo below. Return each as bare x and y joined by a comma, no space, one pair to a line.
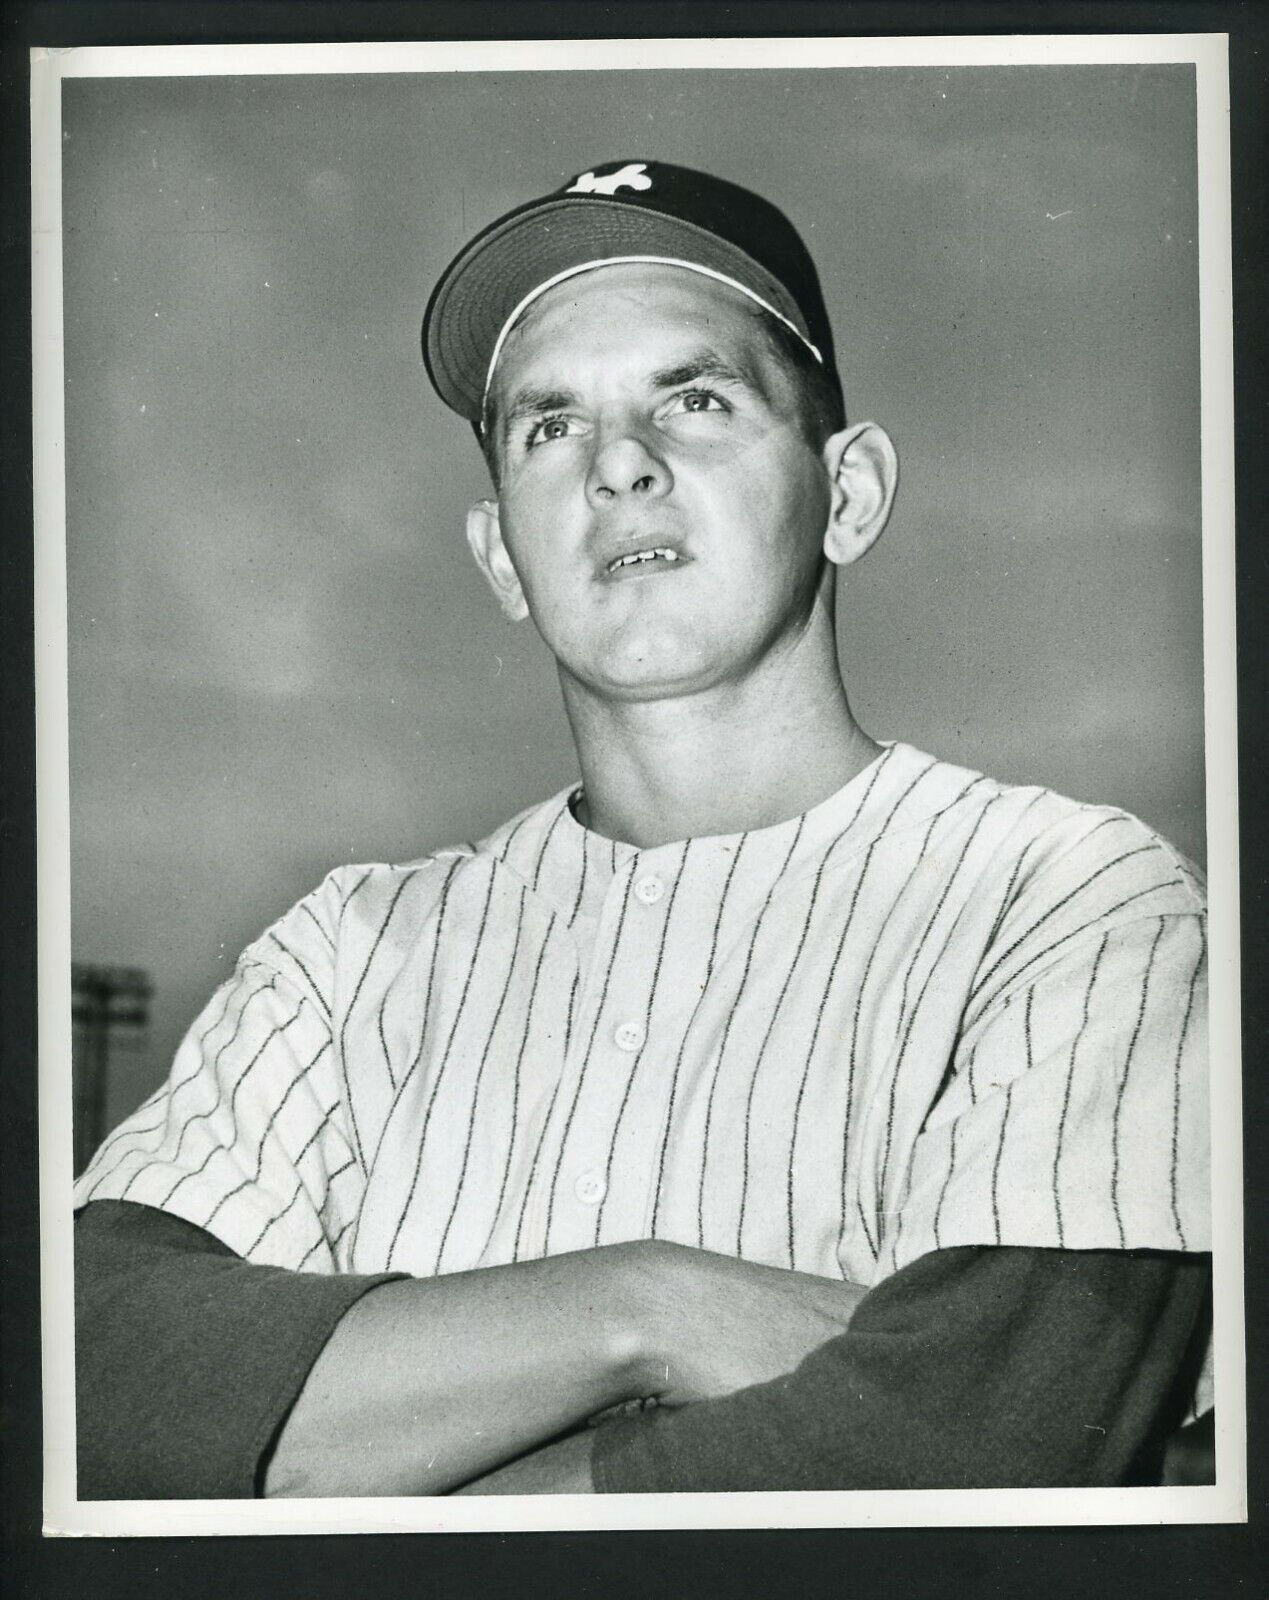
623,465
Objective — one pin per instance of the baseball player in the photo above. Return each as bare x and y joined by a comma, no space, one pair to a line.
810,1112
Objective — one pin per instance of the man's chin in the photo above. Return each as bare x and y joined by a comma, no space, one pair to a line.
633,679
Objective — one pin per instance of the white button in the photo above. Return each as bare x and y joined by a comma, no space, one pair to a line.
649,889
590,1188
630,1035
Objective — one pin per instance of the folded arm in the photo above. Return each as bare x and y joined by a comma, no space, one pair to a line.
204,1375
427,1382
200,1374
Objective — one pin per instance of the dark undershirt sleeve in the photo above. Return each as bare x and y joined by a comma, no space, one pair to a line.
971,1368
187,1357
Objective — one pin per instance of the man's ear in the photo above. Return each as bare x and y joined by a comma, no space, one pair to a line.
484,535
864,468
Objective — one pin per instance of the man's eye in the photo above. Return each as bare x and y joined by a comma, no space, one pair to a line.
546,429
699,400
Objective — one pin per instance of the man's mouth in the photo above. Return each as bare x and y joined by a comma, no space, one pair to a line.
657,553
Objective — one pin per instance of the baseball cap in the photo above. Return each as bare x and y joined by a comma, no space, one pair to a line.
619,211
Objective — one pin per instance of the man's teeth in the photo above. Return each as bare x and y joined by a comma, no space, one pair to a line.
636,556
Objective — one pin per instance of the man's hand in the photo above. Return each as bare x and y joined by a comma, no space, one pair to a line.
710,1324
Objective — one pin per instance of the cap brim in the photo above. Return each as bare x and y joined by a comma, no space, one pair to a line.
485,284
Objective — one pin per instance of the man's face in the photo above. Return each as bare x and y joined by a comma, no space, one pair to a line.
660,503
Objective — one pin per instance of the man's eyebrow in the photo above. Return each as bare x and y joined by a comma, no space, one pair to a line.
532,402
706,363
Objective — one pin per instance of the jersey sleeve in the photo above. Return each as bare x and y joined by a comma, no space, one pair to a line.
1073,1114
247,1138
1076,1114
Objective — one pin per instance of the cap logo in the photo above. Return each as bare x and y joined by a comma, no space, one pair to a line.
634,175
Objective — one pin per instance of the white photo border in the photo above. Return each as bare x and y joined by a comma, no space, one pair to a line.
1224,1501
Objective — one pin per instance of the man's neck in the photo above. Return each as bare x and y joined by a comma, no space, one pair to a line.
720,762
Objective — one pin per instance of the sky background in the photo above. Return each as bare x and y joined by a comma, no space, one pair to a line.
281,657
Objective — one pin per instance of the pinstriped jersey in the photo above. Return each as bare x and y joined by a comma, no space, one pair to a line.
934,1010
